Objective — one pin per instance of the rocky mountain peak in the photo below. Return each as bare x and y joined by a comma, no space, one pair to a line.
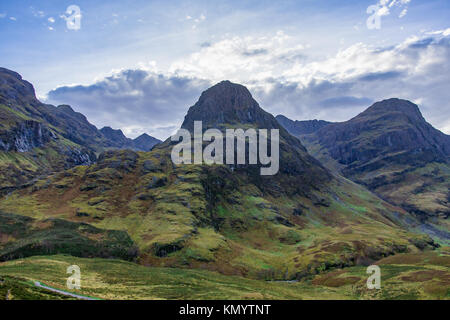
65,108
228,103
13,89
113,134
227,95
394,106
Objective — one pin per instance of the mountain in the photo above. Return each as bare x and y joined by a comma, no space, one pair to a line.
145,142
227,218
301,127
391,149
228,105
37,139
116,139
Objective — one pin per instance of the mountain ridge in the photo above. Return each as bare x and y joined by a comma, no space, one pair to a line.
37,139
391,149
297,223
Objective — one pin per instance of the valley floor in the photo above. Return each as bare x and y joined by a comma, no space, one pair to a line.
403,276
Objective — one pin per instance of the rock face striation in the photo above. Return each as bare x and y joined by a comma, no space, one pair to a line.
26,136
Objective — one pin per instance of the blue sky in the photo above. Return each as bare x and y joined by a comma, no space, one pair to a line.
306,59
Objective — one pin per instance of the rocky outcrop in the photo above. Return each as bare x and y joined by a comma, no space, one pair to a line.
26,136
76,157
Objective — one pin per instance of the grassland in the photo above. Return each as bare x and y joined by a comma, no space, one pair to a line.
206,217
403,276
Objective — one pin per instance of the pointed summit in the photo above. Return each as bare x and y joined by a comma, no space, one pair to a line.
228,104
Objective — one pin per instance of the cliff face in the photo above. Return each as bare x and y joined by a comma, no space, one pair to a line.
26,136
37,139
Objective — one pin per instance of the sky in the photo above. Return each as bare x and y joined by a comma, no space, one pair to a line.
138,65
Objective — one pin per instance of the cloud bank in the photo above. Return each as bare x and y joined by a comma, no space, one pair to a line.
135,101
282,76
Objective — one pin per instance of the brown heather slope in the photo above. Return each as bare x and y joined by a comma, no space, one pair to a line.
227,218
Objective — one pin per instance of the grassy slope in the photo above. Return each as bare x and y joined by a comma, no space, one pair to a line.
423,190
408,276
242,232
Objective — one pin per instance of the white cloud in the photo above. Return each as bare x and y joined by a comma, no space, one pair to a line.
287,80
242,58
383,11
37,13
282,77
51,20
444,33
195,21
385,7
13,18
403,13
135,101
2,15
